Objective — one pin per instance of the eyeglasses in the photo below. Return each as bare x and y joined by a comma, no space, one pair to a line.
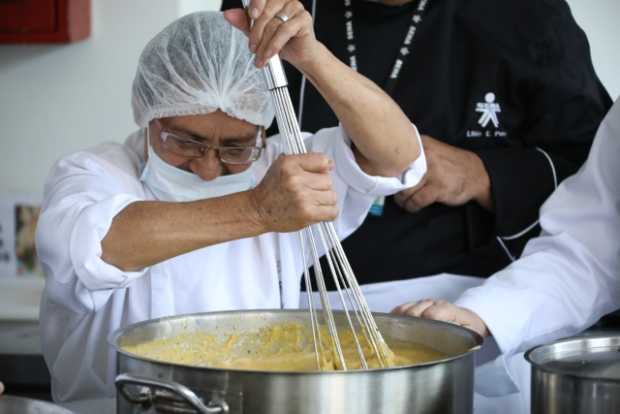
189,147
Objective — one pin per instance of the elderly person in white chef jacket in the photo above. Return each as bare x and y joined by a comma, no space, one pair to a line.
568,277
194,212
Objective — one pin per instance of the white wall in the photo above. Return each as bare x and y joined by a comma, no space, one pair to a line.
57,99
190,6
61,98
600,19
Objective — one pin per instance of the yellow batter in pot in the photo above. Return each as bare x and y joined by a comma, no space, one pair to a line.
281,347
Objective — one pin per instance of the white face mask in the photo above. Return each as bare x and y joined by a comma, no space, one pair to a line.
169,183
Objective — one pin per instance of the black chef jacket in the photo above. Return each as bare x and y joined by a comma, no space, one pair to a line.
529,57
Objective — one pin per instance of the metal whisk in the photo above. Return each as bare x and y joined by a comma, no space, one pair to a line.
323,235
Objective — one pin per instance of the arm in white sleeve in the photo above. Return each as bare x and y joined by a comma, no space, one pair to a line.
335,143
356,190
569,276
81,199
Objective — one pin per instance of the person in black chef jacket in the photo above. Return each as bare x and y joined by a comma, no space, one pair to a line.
508,100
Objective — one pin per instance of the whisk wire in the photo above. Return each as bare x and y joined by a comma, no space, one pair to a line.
349,292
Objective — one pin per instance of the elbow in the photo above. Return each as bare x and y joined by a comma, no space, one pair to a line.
117,258
120,264
394,161
405,154
394,167
402,160
413,154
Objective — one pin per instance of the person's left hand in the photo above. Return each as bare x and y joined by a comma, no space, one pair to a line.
442,310
293,39
454,177
1,388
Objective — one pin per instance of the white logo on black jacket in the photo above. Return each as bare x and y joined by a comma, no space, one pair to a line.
489,110
489,120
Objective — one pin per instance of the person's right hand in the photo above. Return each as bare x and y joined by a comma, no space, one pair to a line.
293,39
445,311
1,388
296,192
454,177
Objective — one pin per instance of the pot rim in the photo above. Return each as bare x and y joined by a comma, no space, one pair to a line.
570,374
117,334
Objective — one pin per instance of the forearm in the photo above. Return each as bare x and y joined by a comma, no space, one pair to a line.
149,232
367,113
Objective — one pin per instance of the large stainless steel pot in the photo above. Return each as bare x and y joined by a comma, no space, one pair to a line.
18,405
441,387
577,375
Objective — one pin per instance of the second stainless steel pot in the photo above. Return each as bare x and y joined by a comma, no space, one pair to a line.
576,376
440,387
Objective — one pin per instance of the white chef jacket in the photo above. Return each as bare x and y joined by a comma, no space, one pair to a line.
569,276
85,299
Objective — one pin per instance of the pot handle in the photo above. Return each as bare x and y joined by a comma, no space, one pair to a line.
123,380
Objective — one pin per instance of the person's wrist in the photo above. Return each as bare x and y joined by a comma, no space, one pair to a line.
256,216
474,322
312,59
481,328
481,183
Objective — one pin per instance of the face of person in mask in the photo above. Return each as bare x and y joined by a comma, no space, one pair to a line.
193,158
229,145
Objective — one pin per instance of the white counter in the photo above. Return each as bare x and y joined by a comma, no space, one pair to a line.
20,298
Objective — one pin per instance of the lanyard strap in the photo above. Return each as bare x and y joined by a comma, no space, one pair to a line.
401,58
403,52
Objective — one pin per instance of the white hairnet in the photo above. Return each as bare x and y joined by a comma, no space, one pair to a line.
196,65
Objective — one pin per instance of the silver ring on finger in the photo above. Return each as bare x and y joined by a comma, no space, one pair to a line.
282,17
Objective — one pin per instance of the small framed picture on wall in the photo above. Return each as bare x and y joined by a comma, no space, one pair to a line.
19,214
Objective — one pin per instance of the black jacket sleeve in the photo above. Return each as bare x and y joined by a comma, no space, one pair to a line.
553,77
230,4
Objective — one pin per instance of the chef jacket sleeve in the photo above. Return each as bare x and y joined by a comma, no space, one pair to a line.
569,276
336,143
566,102
81,200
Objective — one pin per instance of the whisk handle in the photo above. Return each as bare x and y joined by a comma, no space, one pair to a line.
274,71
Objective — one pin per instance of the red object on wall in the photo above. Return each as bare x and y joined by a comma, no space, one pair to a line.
44,21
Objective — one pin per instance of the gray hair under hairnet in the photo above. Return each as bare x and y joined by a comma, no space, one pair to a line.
197,65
